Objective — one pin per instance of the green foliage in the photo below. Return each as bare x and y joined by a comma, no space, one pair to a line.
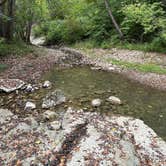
142,21
61,31
29,12
75,20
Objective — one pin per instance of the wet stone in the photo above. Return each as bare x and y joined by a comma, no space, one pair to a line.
46,84
53,99
96,102
10,85
114,100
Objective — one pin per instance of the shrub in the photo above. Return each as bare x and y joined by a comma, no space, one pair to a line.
60,31
142,21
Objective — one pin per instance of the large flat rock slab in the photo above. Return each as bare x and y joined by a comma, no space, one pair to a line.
10,85
83,139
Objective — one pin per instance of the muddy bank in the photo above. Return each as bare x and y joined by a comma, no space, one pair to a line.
98,58
30,68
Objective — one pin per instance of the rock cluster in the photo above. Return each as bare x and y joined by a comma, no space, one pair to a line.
112,99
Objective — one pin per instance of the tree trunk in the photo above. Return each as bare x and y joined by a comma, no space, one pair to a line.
28,32
9,25
2,23
113,19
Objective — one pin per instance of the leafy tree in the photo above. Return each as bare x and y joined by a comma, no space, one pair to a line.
7,18
29,12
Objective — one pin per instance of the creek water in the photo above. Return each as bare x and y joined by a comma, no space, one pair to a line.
82,84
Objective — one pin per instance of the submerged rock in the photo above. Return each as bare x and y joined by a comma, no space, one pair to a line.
54,98
114,100
46,84
10,85
96,102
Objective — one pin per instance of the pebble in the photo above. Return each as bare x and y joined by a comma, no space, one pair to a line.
49,115
29,88
114,100
55,125
30,106
96,102
46,84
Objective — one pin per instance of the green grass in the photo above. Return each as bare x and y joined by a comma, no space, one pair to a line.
146,47
3,67
15,48
150,68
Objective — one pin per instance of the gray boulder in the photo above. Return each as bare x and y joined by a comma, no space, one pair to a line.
10,85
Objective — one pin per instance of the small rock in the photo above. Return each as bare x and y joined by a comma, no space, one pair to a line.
5,115
96,102
111,68
55,125
36,88
29,88
46,84
96,68
161,116
114,100
30,106
49,115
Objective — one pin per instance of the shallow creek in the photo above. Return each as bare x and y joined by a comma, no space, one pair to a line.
82,84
